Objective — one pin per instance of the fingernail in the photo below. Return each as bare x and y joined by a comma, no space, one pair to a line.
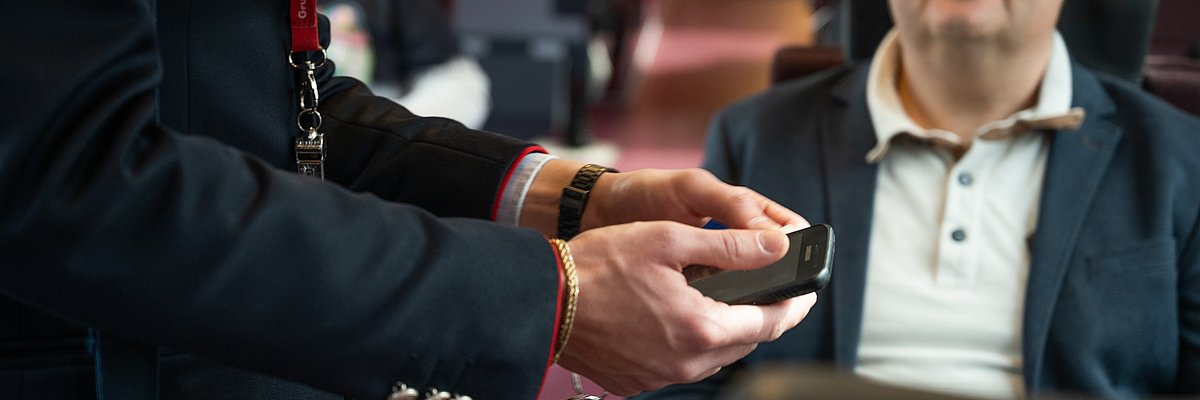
770,242
789,228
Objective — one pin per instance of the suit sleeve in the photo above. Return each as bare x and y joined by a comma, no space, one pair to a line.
110,220
435,163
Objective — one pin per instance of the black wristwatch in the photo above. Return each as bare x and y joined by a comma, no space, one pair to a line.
575,198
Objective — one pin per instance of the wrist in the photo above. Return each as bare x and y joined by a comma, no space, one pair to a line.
543,201
597,212
540,210
575,199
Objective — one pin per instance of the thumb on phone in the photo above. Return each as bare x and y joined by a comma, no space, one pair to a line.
730,248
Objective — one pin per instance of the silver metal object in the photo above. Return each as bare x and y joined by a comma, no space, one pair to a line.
585,396
310,154
435,394
403,392
310,147
310,89
577,384
314,115
307,64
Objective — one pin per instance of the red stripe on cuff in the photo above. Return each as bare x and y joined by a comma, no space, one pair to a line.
508,176
557,315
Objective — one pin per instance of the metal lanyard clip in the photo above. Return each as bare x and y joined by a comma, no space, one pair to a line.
310,146
310,154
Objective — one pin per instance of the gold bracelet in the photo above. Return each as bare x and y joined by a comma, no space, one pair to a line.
568,321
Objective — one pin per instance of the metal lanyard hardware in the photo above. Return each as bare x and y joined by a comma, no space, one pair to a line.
306,56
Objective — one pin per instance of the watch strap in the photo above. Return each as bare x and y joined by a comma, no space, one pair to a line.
575,199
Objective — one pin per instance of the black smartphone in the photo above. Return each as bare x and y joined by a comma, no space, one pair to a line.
805,268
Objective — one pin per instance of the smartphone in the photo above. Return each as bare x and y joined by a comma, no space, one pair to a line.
805,268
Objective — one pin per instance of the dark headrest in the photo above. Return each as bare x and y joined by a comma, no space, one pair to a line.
863,25
798,61
1176,31
1110,36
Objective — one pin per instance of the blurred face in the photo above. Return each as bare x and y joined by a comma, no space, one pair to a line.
974,20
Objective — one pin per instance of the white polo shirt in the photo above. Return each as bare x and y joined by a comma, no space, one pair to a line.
948,256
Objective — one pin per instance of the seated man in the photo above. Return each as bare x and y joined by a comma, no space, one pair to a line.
1009,223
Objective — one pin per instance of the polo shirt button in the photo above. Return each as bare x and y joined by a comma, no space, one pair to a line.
965,179
958,235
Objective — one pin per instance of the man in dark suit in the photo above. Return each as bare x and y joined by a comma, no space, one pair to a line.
149,194
1008,222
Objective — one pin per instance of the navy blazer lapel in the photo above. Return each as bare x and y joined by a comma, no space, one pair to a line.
1076,163
846,137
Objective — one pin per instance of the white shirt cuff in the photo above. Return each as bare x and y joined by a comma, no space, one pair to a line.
509,212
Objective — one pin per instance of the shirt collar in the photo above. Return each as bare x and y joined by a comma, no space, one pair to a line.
1052,112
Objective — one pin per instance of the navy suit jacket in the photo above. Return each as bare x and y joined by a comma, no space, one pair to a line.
147,189
1113,298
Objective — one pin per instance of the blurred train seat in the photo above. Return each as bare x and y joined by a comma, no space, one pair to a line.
1172,69
407,51
535,51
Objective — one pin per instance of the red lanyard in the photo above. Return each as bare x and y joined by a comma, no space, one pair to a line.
310,145
304,26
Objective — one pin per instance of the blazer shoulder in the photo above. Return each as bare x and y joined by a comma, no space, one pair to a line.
1146,117
1162,138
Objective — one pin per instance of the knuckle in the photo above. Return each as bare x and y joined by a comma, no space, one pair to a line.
695,177
653,228
701,174
775,332
734,246
663,234
702,337
743,196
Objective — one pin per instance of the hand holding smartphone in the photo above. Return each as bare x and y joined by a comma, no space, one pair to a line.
805,268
